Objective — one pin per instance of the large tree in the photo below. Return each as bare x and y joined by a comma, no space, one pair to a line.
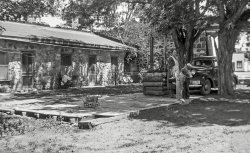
232,17
185,20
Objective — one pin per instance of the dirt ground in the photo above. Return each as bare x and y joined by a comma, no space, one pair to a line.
208,125
113,101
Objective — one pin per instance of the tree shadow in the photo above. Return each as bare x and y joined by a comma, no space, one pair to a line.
200,113
76,92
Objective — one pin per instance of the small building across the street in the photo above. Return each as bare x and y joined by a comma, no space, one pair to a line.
33,56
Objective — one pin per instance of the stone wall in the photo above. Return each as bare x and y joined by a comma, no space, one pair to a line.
47,68
199,45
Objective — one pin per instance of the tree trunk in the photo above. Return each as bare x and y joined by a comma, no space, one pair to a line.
180,54
184,49
189,44
226,39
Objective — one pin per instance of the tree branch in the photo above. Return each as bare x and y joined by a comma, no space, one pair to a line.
239,12
198,33
221,10
242,22
197,8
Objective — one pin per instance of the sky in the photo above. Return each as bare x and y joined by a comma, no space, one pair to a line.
52,21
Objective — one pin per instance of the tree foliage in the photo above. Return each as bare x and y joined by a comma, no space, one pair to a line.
185,20
105,13
20,10
80,10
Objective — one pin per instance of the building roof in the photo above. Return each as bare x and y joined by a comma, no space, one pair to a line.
48,35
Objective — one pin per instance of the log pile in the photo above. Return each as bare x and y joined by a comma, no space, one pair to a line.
156,84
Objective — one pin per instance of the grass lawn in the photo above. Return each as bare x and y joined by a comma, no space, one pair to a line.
210,124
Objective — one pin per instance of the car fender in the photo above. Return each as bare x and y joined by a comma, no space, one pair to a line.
202,77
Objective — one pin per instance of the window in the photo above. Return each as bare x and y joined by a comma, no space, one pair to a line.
66,59
92,70
27,68
239,64
92,60
4,65
203,63
114,61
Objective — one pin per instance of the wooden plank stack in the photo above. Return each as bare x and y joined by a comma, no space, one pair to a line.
156,84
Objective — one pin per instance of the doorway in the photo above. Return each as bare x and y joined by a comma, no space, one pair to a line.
27,69
92,70
114,69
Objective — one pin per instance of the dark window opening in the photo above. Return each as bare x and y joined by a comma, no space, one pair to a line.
4,61
92,60
66,59
114,61
239,64
92,70
4,58
206,63
27,68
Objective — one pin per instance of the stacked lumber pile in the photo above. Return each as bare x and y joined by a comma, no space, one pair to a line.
155,84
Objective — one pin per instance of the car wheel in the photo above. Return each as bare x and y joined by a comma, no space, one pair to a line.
206,88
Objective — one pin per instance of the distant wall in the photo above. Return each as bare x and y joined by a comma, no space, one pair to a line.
239,62
199,45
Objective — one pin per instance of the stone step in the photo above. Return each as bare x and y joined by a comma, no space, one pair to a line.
42,115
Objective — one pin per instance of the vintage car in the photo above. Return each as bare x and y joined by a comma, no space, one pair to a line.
206,74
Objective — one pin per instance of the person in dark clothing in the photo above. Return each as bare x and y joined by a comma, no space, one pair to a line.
186,75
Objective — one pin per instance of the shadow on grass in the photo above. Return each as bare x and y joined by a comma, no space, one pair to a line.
76,92
200,113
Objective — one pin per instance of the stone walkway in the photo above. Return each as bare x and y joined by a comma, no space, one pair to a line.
64,103
109,105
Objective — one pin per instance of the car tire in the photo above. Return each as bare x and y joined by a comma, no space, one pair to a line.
206,88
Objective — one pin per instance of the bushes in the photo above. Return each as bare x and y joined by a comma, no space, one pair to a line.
4,88
10,125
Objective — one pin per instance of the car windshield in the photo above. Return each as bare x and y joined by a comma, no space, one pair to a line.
205,63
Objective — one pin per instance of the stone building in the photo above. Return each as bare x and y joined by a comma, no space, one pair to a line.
201,45
43,57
